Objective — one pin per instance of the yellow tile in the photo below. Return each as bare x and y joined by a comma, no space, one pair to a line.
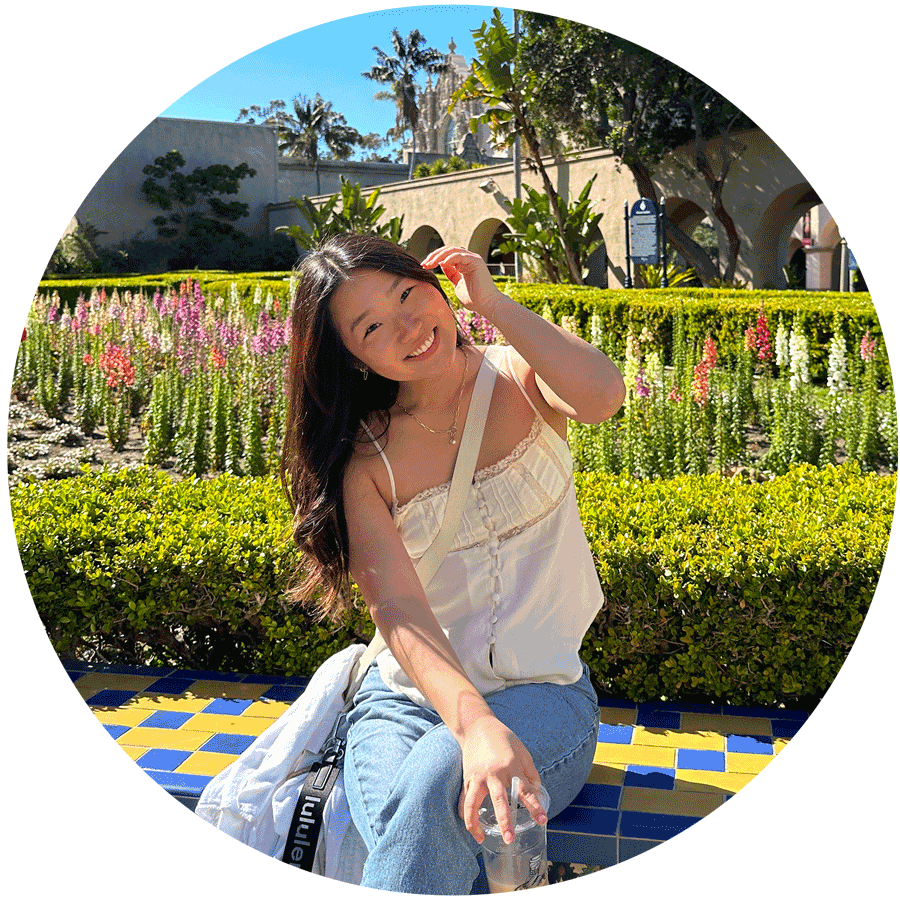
166,738
134,752
610,774
698,780
662,737
129,717
780,744
205,763
219,724
109,681
725,724
669,803
611,715
748,763
634,756
233,690
168,703
266,709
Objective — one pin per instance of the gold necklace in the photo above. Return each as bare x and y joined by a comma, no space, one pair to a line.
451,431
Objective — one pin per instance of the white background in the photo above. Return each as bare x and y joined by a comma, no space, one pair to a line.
81,80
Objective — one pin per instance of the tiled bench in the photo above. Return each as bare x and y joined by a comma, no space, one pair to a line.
658,768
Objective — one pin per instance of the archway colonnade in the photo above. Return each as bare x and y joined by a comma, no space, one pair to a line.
765,193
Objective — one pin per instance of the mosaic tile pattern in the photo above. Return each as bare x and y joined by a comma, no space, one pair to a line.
658,767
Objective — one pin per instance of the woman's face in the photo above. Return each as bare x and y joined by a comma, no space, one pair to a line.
401,328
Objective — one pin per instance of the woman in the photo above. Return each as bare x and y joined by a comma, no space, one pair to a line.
482,680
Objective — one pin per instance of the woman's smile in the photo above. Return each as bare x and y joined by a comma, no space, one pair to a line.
427,346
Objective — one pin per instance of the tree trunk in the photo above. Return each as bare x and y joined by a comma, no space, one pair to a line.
534,151
716,185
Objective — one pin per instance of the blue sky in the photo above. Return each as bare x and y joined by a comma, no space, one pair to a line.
328,59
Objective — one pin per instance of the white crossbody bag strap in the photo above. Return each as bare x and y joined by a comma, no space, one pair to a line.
463,471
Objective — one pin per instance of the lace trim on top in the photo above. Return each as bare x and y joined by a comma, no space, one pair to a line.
481,474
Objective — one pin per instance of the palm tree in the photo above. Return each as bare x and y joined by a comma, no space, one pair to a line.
299,135
399,71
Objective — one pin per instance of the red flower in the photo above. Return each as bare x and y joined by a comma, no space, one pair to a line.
115,364
24,334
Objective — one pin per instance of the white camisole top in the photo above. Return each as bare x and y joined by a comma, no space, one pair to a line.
518,588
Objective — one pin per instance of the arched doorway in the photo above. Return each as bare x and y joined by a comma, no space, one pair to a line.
424,240
485,239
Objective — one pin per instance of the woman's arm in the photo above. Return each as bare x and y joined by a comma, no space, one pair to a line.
574,378
381,567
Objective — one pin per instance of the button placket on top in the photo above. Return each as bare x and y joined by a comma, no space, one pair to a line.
493,545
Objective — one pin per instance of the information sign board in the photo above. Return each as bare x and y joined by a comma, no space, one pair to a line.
645,233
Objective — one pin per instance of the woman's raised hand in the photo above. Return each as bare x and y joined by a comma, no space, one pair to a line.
492,755
469,275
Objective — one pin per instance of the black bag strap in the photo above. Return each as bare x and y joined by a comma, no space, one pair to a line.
306,823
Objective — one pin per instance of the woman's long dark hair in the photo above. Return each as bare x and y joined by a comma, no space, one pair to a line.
328,399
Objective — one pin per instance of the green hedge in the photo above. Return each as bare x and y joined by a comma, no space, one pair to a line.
739,591
723,314
716,588
212,282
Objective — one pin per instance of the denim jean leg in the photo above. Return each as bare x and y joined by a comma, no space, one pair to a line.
406,809
404,774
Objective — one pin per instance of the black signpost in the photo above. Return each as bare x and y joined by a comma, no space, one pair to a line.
645,233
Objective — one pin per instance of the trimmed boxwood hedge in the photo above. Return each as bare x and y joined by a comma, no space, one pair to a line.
720,313
717,589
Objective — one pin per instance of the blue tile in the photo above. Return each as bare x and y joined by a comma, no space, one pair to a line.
301,680
599,795
786,729
75,665
180,784
163,760
110,698
655,718
205,675
614,734
165,719
582,848
117,730
226,706
653,826
284,692
631,847
149,671
651,777
614,703
585,820
169,685
705,760
677,706
228,743
749,743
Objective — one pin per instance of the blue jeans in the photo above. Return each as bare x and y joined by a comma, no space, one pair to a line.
403,777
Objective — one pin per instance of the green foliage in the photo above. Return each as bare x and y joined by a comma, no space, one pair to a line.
509,95
734,591
133,566
192,201
357,215
715,588
534,232
440,166
651,276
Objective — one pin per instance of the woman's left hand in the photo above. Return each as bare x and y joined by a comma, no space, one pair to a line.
469,275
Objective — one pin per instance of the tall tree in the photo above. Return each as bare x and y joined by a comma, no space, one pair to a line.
399,72
603,90
509,94
313,123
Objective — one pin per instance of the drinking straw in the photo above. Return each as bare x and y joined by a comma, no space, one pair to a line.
514,792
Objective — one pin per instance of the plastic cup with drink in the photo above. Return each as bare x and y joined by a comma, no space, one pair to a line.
523,863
